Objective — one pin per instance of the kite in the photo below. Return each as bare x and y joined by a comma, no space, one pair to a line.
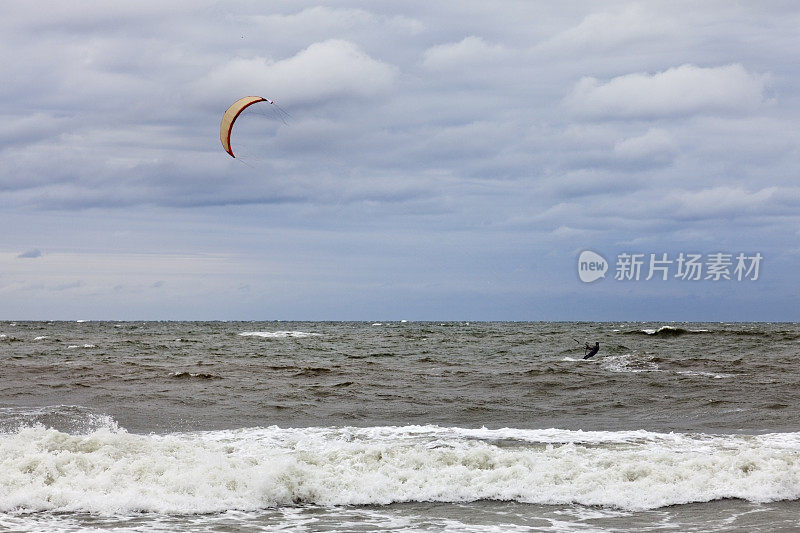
233,112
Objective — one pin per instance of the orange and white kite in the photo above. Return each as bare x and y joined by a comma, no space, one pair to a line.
233,112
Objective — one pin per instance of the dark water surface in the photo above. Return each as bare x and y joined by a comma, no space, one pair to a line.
399,426
172,376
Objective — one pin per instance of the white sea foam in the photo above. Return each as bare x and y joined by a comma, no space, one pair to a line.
109,471
704,374
630,363
662,329
70,418
635,363
40,337
278,334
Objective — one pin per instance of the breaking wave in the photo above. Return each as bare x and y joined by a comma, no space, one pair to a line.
667,331
110,471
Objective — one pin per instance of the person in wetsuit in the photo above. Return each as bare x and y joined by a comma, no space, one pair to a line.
591,350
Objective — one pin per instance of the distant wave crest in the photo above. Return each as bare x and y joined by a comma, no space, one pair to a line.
666,331
278,334
744,331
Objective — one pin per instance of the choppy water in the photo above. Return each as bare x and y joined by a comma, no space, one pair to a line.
223,426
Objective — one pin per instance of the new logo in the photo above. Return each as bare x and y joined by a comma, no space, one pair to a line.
591,266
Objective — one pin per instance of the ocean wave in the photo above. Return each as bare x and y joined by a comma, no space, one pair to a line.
744,331
73,419
110,471
310,371
193,375
278,334
666,331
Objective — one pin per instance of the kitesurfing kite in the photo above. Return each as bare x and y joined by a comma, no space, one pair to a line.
233,113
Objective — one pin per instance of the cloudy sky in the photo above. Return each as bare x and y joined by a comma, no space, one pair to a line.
442,161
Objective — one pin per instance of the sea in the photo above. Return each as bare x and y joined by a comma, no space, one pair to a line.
399,426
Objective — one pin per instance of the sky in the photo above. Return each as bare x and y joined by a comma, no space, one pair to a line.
442,160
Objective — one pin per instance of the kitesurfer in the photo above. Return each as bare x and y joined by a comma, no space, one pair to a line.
591,350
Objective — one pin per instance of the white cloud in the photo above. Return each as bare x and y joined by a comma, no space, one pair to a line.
568,232
683,90
312,18
607,30
329,69
654,144
329,19
728,201
469,51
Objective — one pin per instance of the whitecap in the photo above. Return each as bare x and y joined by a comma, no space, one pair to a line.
704,374
278,334
629,363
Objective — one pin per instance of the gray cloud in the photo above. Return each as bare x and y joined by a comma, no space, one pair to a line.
30,254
